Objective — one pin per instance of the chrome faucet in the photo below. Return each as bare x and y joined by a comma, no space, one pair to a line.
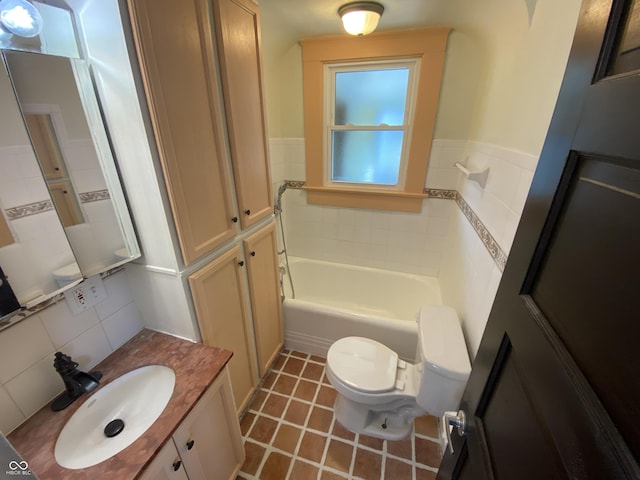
75,381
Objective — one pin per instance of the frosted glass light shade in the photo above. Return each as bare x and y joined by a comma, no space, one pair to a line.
360,18
20,18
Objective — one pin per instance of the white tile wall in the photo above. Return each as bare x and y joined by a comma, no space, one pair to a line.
439,241
28,380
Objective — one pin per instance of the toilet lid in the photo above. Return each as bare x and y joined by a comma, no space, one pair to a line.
363,364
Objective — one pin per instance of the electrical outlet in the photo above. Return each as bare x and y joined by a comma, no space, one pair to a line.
85,295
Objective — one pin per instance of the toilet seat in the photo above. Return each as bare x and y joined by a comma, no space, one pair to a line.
363,364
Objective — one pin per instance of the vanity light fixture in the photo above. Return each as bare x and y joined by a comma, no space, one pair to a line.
20,17
360,18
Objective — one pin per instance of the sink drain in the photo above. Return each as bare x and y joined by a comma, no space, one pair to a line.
114,427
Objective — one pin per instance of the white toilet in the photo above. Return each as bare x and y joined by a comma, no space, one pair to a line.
380,394
67,275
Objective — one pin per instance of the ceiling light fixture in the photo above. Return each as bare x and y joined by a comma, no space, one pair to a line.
360,18
20,18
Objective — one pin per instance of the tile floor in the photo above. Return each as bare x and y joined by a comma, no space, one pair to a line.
290,432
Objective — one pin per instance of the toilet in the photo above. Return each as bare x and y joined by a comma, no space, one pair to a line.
379,394
67,275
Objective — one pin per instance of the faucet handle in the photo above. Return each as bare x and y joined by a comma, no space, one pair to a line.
63,363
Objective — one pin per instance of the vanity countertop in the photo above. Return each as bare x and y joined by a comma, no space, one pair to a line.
195,365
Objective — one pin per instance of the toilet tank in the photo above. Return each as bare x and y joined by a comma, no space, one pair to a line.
442,359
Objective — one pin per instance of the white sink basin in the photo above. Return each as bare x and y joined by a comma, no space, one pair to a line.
137,398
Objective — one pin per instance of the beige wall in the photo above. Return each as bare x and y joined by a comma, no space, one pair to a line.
504,66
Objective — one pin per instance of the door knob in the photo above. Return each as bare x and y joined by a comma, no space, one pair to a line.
457,420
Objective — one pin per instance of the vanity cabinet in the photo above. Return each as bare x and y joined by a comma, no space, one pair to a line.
263,272
220,299
208,443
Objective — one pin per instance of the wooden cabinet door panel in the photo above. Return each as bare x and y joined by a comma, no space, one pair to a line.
209,439
165,465
174,42
238,34
262,262
219,296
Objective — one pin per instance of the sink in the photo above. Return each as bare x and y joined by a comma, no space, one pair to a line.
124,408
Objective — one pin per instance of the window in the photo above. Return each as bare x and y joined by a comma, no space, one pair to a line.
370,105
368,121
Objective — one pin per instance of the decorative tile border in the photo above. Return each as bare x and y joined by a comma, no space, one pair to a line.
95,196
22,211
439,193
487,239
489,242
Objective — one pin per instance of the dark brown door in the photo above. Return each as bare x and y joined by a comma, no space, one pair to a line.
555,387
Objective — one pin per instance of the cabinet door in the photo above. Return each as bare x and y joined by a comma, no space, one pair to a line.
209,439
262,262
175,50
165,466
239,47
219,297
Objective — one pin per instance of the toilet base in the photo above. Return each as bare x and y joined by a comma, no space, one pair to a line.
375,420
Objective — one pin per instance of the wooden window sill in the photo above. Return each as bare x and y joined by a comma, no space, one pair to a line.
366,198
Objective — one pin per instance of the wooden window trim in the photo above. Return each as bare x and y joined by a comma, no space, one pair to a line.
427,44
6,237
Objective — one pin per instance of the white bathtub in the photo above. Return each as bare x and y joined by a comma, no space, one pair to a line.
335,300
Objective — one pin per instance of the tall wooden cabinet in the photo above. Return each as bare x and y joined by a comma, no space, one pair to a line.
220,300
260,250
202,74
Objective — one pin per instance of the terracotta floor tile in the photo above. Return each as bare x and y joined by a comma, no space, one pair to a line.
293,366
427,452
427,425
339,455
297,412
303,471
315,358
277,365
325,379
312,371
253,457
371,442
269,380
422,474
326,396
305,390
326,475
263,429
274,405
299,354
395,469
246,422
340,431
285,384
320,419
276,467
258,400
312,446
287,438
367,465
400,448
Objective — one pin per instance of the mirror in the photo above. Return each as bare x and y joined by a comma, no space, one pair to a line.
63,120
58,120
33,244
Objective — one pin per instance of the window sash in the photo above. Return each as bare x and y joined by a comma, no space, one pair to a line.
330,70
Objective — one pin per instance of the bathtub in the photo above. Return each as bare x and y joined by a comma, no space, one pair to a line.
335,300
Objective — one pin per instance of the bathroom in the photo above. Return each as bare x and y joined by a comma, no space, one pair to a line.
505,61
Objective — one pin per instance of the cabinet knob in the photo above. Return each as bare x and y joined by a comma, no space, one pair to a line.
176,465
241,263
234,219
247,212
190,444
253,254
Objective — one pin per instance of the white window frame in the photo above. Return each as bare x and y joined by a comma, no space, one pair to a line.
330,70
